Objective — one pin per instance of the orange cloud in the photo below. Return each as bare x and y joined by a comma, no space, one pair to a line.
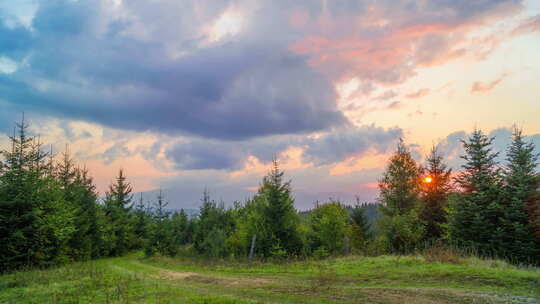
481,87
530,25
418,94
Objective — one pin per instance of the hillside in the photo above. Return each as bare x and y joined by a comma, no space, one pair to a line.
384,279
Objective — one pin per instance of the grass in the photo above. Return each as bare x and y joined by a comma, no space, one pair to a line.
383,279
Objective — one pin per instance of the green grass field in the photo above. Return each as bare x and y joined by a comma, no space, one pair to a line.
384,279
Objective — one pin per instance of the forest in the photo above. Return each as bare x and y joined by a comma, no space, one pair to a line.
51,213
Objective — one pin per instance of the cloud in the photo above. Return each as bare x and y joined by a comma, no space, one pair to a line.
395,105
530,25
309,185
386,96
451,147
418,94
483,87
384,42
327,148
337,146
174,67
86,64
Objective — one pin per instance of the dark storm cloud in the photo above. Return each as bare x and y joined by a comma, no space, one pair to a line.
150,66
328,148
337,146
234,90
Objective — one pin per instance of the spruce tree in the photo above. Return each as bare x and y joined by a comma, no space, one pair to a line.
161,239
86,241
519,239
117,209
213,226
280,216
35,221
475,213
434,192
182,229
142,222
361,229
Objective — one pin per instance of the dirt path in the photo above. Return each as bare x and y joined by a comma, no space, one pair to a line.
279,289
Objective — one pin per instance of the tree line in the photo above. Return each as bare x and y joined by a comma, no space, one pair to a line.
51,213
486,207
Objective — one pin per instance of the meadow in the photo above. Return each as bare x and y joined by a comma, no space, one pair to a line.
354,279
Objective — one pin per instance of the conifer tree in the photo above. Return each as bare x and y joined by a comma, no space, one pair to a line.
434,192
361,229
182,229
519,239
533,209
280,216
35,221
213,226
142,222
161,239
86,241
117,209
474,214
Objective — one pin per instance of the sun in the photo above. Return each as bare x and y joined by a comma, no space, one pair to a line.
428,179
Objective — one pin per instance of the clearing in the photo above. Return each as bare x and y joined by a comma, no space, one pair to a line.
384,279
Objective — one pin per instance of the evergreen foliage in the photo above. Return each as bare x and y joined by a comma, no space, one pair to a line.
518,237
280,218
213,227
434,195
117,207
361,232
475,214
50,211
161,236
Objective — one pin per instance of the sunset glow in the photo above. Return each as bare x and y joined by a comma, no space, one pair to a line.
187,95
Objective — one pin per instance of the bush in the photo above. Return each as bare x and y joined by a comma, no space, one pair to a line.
329,225
402,232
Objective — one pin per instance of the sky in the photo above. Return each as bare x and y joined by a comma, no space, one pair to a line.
192,94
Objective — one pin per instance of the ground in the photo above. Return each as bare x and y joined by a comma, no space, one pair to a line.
384,279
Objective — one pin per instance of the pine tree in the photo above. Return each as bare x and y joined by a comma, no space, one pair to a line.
182,229
213,226
474,214
361,229
35,221
434,192
142,222
280,216
161,239
533,209
519,240
86,241
117,209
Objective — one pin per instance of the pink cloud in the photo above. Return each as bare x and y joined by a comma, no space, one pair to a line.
386,95
395,105
386,44
482,87
418,94
532,24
